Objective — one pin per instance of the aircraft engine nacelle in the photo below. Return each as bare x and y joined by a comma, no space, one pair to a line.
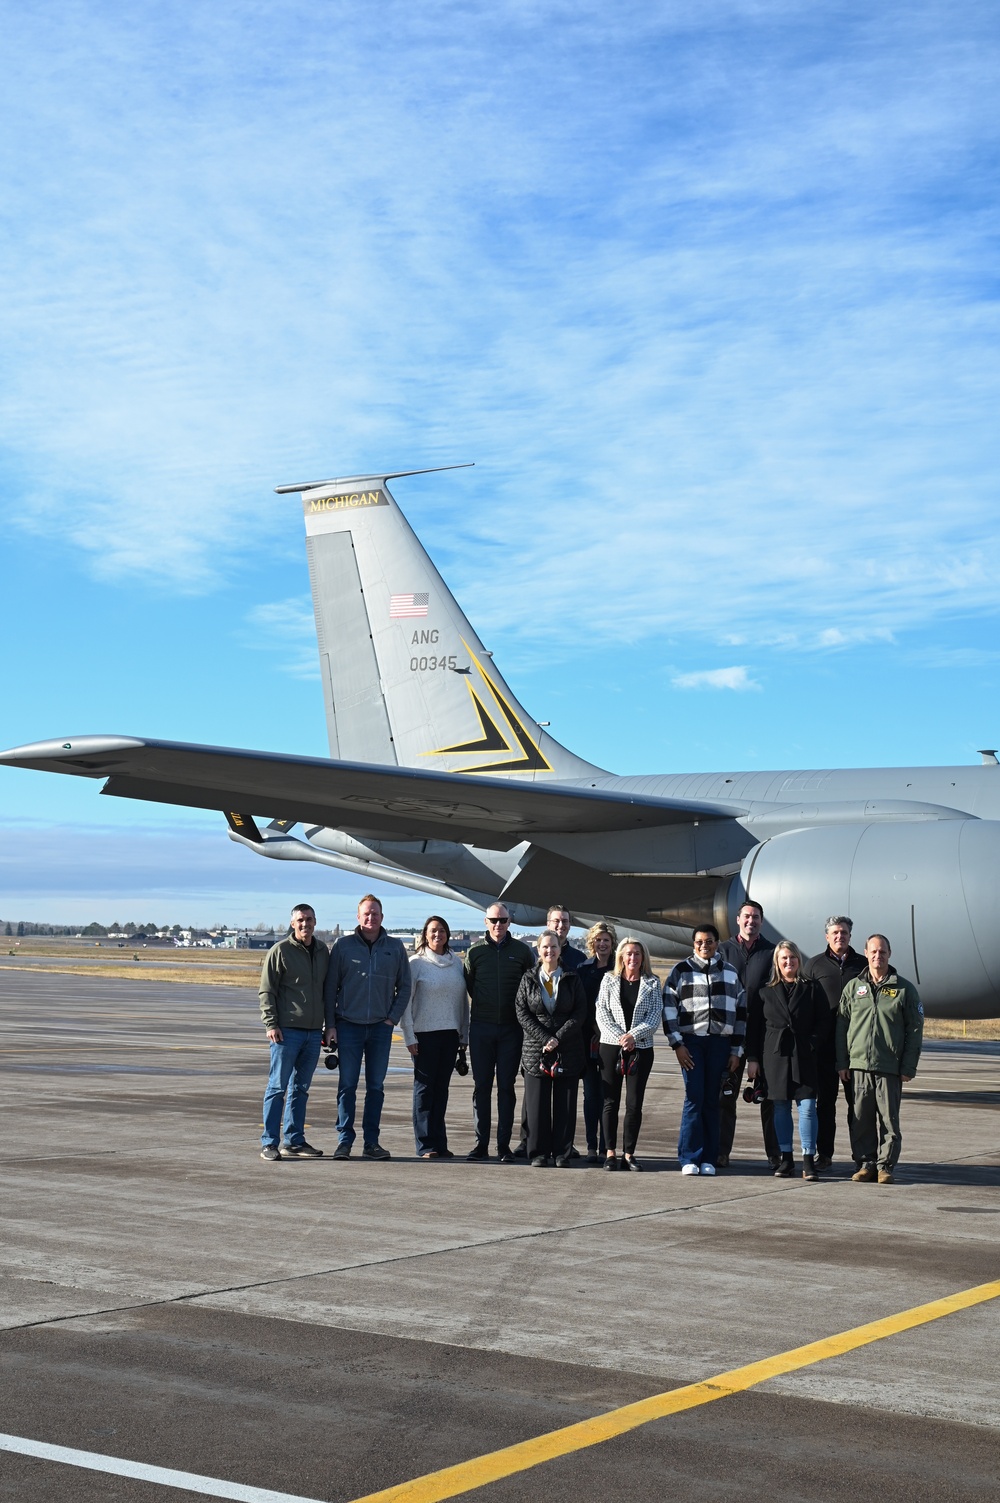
932,886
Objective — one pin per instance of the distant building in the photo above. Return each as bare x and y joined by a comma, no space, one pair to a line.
249,940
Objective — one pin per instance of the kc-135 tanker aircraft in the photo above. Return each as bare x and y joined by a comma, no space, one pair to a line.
439,780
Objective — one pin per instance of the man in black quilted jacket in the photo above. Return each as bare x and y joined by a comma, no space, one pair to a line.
493,970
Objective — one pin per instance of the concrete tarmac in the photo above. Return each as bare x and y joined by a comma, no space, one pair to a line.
328,1329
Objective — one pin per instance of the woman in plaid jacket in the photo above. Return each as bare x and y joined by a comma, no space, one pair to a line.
705,1019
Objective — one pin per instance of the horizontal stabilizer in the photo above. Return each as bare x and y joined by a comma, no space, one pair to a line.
401,802
351,480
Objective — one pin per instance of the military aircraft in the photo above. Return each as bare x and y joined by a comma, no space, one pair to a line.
439,780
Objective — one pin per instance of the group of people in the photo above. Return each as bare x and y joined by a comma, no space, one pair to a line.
800,1031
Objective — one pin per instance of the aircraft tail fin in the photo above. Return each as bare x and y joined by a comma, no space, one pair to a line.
406,679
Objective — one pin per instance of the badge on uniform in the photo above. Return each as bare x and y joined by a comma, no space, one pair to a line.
891,991
862,991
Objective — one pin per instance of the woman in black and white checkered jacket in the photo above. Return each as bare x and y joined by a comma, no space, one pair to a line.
629,1009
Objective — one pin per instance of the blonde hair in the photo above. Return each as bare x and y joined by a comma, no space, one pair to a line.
591,935
790,949
647,969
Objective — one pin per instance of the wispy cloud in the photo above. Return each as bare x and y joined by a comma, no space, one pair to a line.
716,678
708,294
286,627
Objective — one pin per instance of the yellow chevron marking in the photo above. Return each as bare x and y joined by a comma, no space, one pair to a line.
519,744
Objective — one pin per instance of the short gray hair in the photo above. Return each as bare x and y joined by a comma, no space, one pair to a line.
837,921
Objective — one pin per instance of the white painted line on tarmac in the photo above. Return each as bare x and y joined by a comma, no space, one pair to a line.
212,1487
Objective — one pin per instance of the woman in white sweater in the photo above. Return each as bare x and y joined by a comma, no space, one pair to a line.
435,1023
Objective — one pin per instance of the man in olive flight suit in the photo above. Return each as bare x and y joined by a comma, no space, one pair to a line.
880,1028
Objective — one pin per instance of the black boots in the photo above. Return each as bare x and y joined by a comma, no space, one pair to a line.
809,1170
784,1169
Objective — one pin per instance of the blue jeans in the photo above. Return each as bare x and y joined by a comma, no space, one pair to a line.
699,1136
808,1124
292,1064
370,1042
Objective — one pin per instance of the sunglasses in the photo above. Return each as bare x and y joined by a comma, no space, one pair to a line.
498,920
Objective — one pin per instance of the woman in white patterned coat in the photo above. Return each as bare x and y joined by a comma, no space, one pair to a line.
629,1009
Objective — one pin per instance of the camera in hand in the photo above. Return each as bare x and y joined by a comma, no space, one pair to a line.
551,1064
755,1092
730,1085
332,1060
462,1061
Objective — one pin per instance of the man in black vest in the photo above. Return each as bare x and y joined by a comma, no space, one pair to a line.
750,956
832,970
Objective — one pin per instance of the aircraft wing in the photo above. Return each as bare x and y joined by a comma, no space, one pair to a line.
395,802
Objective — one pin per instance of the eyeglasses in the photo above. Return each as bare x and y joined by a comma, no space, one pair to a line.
491,920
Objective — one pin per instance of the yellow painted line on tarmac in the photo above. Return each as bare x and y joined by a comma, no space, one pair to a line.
467,1475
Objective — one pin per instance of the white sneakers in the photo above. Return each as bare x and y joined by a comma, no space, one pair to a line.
708,1168
690,1169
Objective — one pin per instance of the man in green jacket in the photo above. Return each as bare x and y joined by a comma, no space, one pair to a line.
880,1028
493,970
291,1007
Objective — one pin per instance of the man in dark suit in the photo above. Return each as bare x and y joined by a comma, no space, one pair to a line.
838,964
750,956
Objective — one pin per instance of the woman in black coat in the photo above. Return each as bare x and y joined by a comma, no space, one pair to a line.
785,1020
551,1009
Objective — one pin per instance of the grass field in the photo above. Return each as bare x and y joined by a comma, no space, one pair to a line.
242,968
166,963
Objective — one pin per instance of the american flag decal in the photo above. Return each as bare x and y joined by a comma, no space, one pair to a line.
403,606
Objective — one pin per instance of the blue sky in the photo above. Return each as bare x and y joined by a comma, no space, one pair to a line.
708,293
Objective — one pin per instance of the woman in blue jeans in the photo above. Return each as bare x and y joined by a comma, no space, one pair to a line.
786,1019
434,1026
